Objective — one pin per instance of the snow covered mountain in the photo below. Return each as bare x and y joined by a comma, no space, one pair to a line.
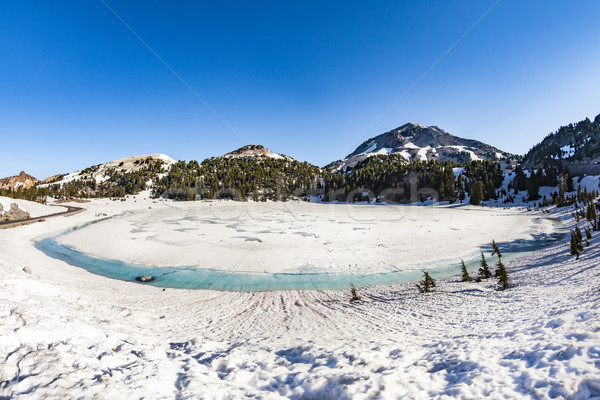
255,150
22,180
103,172
574,145
416,142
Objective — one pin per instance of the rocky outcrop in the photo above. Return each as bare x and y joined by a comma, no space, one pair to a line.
254,150
22,180
14,214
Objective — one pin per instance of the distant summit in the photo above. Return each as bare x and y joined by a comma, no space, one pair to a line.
416,142
254,150
22,180
576,146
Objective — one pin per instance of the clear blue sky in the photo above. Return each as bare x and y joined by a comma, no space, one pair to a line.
306,79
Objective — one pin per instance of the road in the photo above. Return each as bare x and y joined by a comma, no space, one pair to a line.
70,211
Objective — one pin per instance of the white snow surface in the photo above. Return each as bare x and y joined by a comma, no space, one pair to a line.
65,333
34,209
473,156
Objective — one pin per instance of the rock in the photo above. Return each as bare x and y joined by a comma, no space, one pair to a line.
145,278
27,270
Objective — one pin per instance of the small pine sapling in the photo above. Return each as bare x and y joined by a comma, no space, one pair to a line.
579,234
502,276
588,233
484,271
426,284
574,245
465,274
355,296
496,249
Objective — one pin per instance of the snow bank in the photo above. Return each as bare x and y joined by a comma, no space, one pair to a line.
33,208
67,333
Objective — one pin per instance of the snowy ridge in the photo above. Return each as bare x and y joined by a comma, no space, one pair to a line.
100,173
416,142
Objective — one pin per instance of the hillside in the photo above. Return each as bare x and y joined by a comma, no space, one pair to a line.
22,180
254,150
416,142
576,146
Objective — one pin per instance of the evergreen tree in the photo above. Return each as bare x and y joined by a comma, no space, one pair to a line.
575,246
355,296
588,233
496,249
426,284
476,193
502,276
484,271
465,274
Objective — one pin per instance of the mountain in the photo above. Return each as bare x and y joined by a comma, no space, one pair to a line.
254,150
104,172
416,142
22,180
576,146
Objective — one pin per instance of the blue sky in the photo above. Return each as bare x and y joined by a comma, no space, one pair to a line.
306,79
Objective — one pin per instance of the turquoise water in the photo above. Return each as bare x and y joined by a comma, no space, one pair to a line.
206,278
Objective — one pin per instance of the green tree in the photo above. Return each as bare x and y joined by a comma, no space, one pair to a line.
502,276
426,284
465,274
484,271
476,193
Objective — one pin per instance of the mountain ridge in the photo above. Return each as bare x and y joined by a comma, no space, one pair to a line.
416,142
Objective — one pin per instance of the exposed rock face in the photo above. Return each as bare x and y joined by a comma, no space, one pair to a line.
15,213
254,150
22,180
416,142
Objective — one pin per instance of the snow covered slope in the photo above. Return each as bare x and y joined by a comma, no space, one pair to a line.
34,209
255,150
420,143
100,173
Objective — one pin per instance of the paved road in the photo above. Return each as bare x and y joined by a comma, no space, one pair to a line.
70,211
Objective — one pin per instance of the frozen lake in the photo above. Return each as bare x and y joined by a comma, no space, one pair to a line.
277,246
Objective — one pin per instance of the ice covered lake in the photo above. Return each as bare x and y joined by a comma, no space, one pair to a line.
277,246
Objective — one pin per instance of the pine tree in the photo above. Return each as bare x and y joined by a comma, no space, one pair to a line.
496,249
484,271
574,245
355,295
476,193
426,284
502,276
465,274
588,233
579,234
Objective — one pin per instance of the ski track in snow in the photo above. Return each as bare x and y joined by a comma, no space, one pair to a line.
68,334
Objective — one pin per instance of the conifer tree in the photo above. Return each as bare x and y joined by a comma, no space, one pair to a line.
465,274
588,233
426,284
355,295
496,249
502,276
579,234
484,271
575,245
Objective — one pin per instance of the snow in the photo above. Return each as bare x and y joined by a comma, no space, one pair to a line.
590,183
473,156
65,333
293,237
372,146
34,209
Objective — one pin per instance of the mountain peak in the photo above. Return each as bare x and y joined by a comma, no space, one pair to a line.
415,142
254,150
23,179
